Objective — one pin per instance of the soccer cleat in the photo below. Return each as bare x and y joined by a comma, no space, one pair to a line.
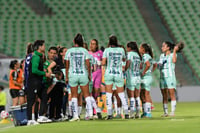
95,117
74,119
149,115
137,115
99,115
143,115
132,116
87,118
126,116
43,119
32,122
118,116
70,117
164,115
109,117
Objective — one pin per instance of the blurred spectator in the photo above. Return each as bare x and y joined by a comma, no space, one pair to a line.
2,99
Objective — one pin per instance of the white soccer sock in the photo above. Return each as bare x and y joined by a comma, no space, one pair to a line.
144,107
137,103
33,116
79,110
75,107
165,108
109,103
124,102
115,103
89,105
118,110
148,107
132,105
93,102
173,106
70,108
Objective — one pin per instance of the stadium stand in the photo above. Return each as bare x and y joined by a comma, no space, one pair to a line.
94,19
182,18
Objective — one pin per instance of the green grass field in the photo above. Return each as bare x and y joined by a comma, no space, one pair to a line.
187,120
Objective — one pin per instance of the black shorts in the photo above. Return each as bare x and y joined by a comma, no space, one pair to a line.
14,93
21,93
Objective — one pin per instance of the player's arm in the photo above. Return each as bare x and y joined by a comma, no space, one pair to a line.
146,68
88,68
67,70
174,57
52,65
128,62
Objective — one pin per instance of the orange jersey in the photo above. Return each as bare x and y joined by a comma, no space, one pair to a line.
20,77
13,77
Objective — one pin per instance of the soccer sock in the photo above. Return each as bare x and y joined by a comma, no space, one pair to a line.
148,107
144,107
118,110
137,103
115,103
132,105
79,110
89,105
93,102
109,103
173,106
33,116
70,108
124,102
165,108
75,107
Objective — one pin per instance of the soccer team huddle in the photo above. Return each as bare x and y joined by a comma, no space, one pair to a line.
56,86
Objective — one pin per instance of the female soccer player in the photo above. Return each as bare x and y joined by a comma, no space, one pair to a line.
112,58
167,74
146,78
96,74
78,74
133,77
14,85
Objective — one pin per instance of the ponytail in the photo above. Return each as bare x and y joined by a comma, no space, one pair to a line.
147,49
78,39
134,47
180,45
172,45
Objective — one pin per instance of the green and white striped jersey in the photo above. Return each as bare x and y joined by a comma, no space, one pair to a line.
77,57
145,58
114,57
134,68
92,62
167,67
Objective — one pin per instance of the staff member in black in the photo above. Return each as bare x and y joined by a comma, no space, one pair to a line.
35,78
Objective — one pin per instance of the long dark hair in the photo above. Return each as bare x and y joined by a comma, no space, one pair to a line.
113,41
29,48
60,51
38,43
147,49
12,64
134,47
97,43
172,45
78,39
